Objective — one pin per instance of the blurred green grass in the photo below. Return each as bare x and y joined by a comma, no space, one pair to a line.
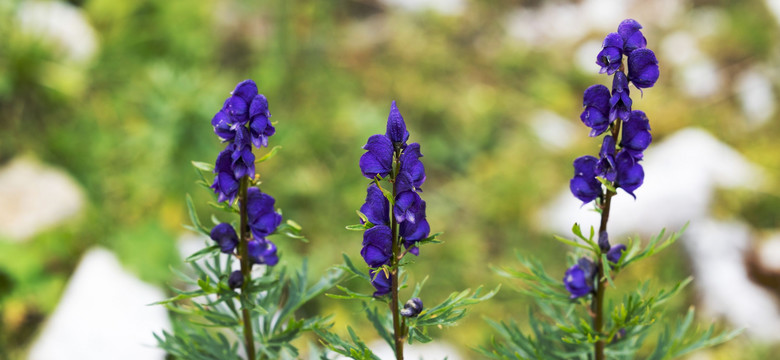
127,124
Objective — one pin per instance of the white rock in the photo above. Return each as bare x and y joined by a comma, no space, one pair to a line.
756,97
34,197
61,23
103,313
681,175
717,252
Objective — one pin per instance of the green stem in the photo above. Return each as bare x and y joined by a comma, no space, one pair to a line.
246,269
394,304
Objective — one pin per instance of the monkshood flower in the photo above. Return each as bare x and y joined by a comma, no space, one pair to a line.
615,253
620,102
579,278
597,109
261,215
262,252
225,183
636,134
236,279
412,308
381,282
408,210
225,236
584,185
630,174
643,68
611,56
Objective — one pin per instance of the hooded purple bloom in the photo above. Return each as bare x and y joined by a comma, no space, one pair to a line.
377,207
262,252
236,279
263,219
243,161
412,232
620,102
636,134
225,183
222,126
407,206
381,282
396,127
411,164
630,174
606,165
579,278
584,185
377,246
615,253
237,105
611,56
643,68
596,113
632,37
260,127
225,236
378,160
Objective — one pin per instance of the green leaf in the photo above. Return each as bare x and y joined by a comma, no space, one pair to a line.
194,217
214,249
358,227
269,154
203,166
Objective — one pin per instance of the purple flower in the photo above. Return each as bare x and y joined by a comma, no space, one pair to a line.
377,207
236,279
243,161
614,254
262,252
396,128
222,126
596,113
584,185
411,164
407,206
260,127
225,236
632,37
611,56
377,246
620,102
378,160
412,232
237,105
643,68
630,174
604,241
263,219
412,308
636,134
225,183
578,279
381,282
606,165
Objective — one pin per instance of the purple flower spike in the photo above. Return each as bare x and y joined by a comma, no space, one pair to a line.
377,207
260,124
584,185
225,236
579,278
620,102
263,219
630,174
380,281
262,252
636,134
378,160
643,68
632,37
614,254
611,56
377,246
396,127
596,113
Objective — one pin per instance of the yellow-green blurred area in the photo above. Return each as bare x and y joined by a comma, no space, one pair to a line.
125,117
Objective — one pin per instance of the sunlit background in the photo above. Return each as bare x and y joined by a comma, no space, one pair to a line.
103,104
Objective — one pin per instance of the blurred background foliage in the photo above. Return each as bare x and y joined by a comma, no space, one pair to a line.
126,123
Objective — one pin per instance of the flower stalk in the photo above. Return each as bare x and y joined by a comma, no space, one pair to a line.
246,268
395,259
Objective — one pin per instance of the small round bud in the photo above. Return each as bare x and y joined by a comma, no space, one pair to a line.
412,308
236,279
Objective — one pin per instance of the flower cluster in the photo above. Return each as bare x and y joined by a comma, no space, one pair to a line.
618,163
390,155
242,122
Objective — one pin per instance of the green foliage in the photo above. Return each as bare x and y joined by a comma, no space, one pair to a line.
562,327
